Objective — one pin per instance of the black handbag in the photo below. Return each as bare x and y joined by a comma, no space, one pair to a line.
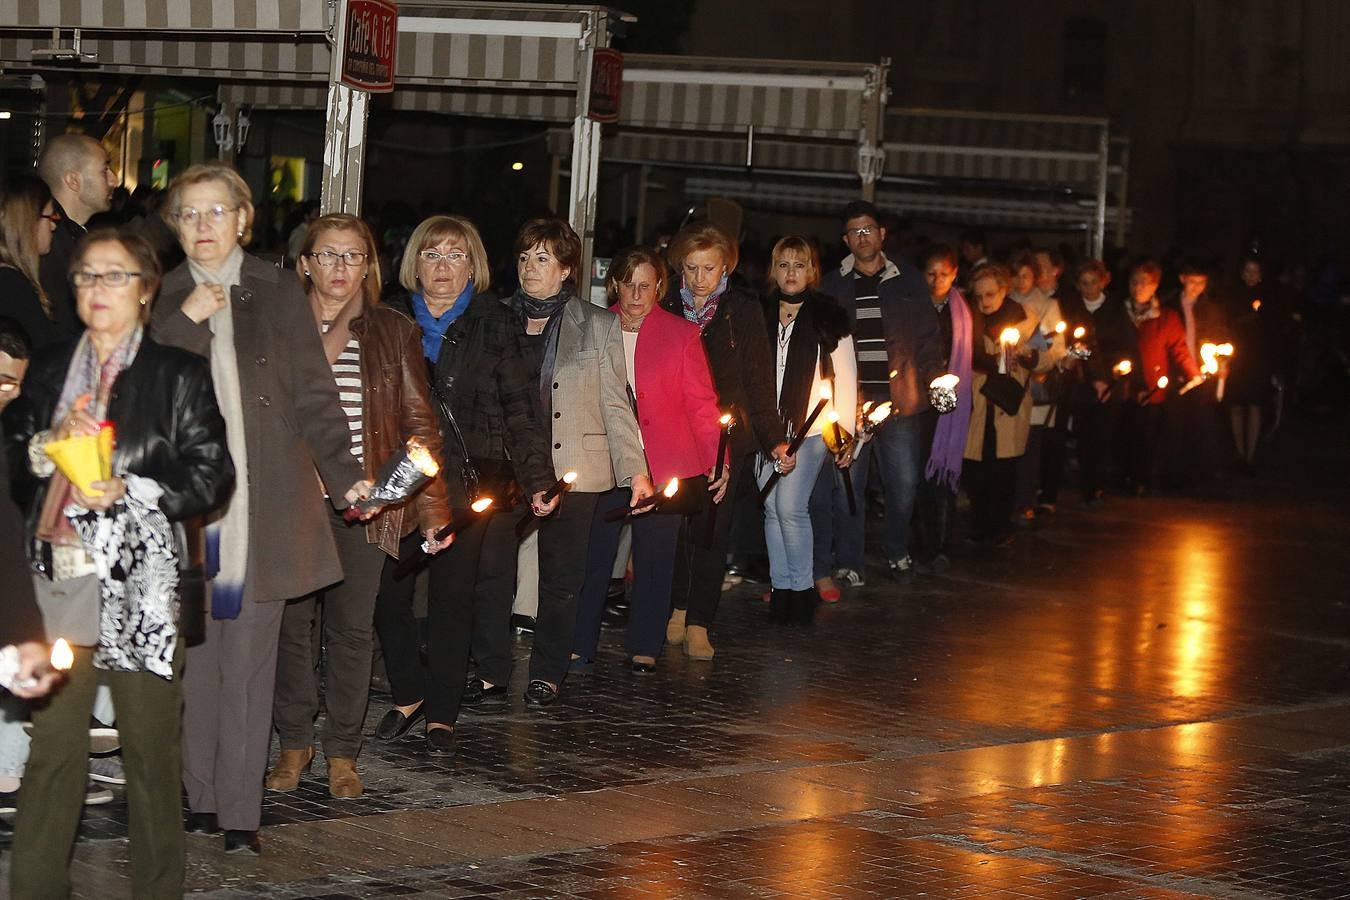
481,478
1004,391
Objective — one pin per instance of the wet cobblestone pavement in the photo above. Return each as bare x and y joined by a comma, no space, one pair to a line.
1147,700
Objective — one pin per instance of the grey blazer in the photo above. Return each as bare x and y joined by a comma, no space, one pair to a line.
595,432
292,421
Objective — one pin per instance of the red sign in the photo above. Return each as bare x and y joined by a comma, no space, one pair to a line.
606,85
368,44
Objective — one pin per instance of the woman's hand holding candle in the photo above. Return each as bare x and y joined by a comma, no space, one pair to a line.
642,489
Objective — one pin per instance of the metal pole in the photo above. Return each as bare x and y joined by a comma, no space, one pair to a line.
586,150
1103,165
875,96
344,139
554,180
1123,192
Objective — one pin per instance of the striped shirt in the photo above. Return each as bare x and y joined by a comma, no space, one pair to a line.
347,374
869,337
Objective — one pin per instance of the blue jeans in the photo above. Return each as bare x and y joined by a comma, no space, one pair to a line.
895,448
787,518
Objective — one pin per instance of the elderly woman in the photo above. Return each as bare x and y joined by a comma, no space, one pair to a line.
669,380
492,441
814,358
272,542
1029,274
575,351
169,465
732,328
376,358
27,220
1000,416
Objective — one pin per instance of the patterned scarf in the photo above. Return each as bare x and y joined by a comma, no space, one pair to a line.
1138,316
701,317
949,441
88,385
551,309
227,528
433,327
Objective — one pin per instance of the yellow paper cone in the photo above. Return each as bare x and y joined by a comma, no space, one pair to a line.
78,458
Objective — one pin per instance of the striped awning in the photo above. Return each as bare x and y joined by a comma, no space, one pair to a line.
443,42
538,106
1037,150
706,150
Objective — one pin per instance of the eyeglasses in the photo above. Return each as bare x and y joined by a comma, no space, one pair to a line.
54,217
328,258
114,278
860,232
189,215
454,257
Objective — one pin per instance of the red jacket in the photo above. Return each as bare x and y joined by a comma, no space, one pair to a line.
1163,351
676,402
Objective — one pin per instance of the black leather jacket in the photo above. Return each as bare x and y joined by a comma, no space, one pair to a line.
169,428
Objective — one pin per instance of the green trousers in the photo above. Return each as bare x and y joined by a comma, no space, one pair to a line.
51,800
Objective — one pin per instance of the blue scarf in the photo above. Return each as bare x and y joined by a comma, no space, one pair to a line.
702,317
434,329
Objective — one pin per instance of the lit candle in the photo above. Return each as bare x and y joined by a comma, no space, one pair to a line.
1079,333
653,502
562,484
1209,356
723,441
1060,326
1007,340
62,656
1123,368
414,560
880,414
1162,382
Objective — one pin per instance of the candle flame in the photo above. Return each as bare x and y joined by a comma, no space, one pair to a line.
880,414
1162,382
1224,349
1124,367
867,407
945,381
1209,356
421,457
481,504
1060,326
1256,306
570,478
62,656
832,417
1079,333
671,488
1009,336
725,420
826,393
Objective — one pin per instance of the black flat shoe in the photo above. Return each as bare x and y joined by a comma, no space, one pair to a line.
540,694
201,823
242,842
440,741
642,668
483,700
394,726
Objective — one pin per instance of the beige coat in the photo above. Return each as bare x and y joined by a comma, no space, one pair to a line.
595,432
1010,432
292,419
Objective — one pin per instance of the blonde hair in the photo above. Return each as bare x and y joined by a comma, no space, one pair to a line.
703,236
802,246
436,230
370,285
1001,274
21,205
201,173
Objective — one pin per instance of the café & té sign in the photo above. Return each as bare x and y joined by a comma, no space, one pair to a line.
369,42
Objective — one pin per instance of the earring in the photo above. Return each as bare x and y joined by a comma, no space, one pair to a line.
143,301
241,232
307,275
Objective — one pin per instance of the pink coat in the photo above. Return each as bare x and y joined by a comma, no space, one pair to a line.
677,405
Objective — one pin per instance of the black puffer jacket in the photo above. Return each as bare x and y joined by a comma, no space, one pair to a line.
742,366
168,426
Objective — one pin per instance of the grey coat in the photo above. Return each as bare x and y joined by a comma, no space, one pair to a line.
292,421
595,432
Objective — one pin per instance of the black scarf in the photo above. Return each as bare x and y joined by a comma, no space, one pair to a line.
550,309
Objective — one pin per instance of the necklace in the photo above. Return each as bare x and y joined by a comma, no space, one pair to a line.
326,325
630,327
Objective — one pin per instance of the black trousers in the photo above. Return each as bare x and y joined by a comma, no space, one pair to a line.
654,537
494,596
991,484
1054,451
699,568
1094,428
563,544
439,683
1192,438
1143,426
934,504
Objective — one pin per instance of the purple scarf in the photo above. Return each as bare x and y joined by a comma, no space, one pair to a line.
949,441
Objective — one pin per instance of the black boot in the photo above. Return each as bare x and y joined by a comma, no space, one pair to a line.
780,606
804,607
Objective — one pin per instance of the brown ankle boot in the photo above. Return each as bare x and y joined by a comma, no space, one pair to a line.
696,643
343,782
675,627
285,775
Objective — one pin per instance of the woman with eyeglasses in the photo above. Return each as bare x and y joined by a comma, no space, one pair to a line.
115,548
492,447
272,541
27,220
376,358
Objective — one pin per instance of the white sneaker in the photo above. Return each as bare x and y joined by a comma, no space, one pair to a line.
849,577
901,568
107,769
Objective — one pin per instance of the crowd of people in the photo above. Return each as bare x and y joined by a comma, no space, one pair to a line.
697,422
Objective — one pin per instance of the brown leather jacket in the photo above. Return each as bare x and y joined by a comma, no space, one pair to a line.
396,405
